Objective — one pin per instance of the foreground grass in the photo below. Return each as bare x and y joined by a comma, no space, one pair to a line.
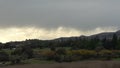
44,49
116,59
37,61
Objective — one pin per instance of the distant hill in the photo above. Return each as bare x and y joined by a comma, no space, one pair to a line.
60,41
107,35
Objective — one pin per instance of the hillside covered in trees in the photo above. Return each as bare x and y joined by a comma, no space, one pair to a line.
103,46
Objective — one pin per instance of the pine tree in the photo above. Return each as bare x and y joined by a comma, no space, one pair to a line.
114,41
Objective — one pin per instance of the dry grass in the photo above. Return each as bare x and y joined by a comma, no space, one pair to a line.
82,64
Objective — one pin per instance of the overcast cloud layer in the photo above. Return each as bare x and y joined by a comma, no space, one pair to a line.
74,15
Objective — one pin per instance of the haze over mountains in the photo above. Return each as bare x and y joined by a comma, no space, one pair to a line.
107,35
22,33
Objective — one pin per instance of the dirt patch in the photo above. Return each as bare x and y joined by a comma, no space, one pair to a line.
82,64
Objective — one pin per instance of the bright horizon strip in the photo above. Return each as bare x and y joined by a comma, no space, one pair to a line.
23,33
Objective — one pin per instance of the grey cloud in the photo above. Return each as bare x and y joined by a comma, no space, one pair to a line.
79,14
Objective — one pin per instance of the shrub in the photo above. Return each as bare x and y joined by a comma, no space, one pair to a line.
48,54
106,54
84,54
4,56
116,53
15,59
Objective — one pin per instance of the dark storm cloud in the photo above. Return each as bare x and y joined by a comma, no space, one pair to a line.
79,14
49,19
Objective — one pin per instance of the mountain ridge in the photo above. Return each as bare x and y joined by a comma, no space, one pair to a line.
107,35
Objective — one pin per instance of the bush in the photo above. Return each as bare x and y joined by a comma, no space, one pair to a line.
4,56
24,51
15,59
84,54
48,55
116,53
106,54
62,55
61,51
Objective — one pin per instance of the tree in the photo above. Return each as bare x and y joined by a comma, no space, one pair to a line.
25,52
107,44
1,46
118,46
61,51
60,55
93,43
4,57
114,41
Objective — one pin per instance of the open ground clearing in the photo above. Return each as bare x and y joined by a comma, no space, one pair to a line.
82,64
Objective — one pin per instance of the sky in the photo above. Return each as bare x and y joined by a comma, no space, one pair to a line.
49,19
